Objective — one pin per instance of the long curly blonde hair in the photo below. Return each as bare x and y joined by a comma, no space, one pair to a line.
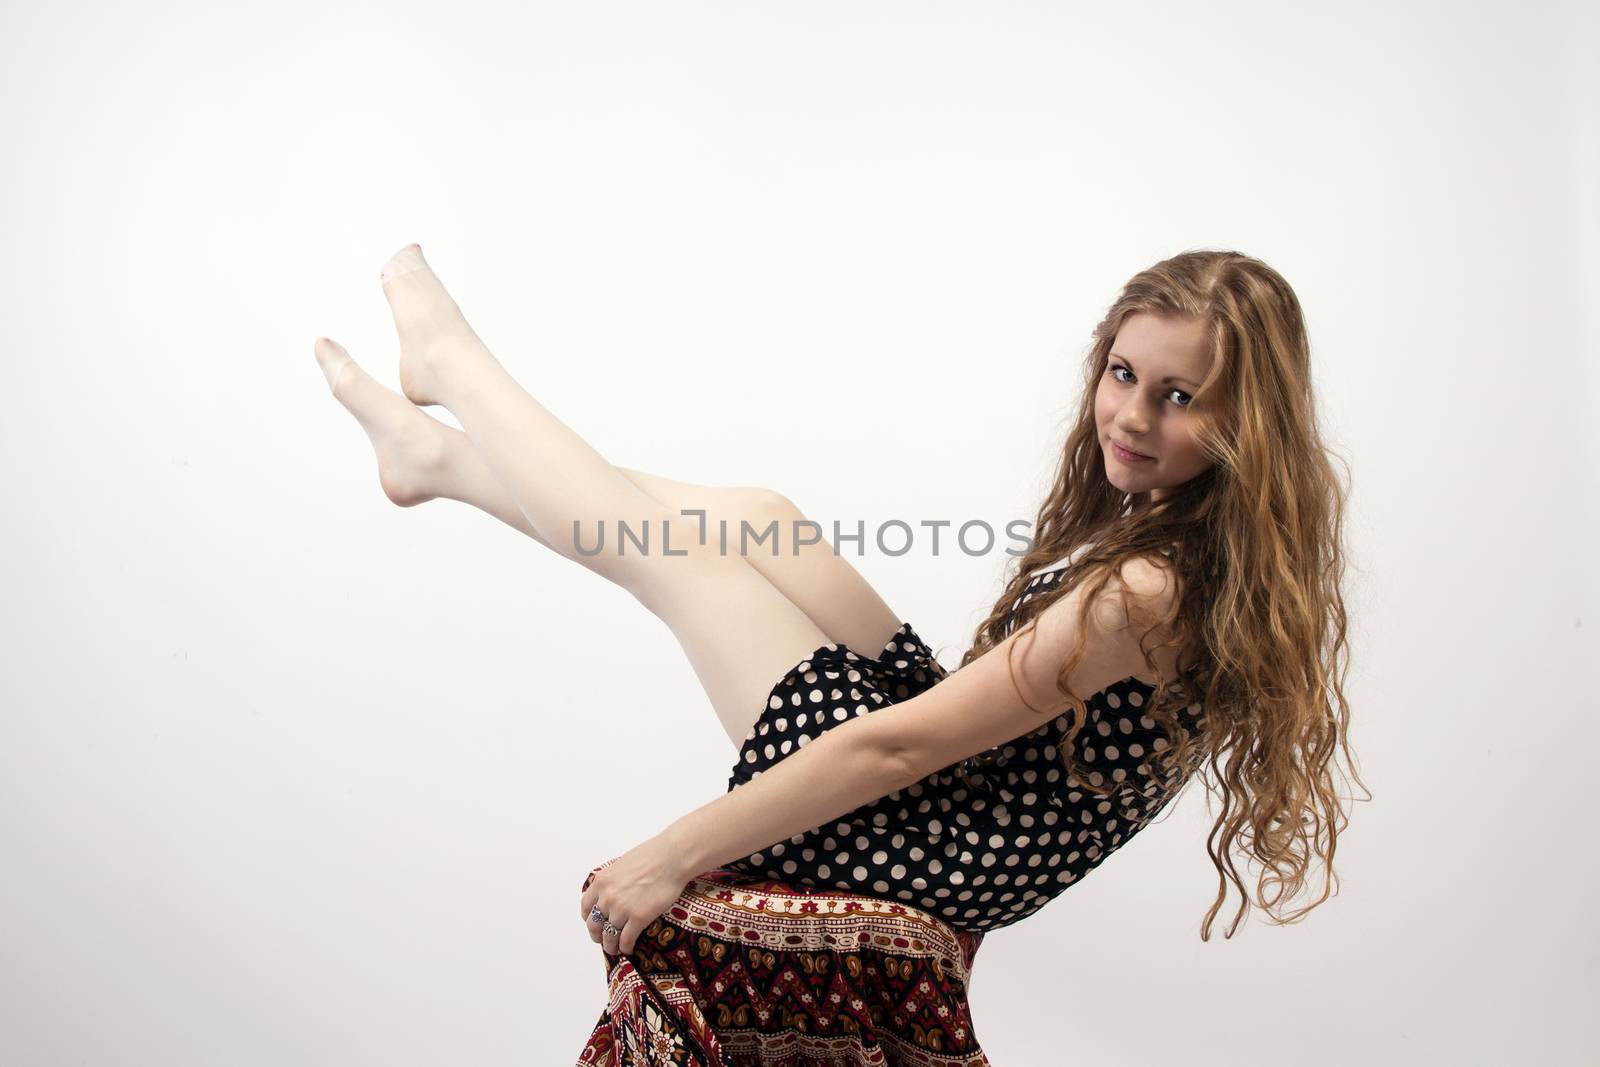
1255,541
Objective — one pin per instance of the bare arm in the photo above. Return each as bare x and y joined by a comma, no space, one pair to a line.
980,706
836,773
873,755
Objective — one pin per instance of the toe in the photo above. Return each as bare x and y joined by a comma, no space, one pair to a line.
333,360
405,261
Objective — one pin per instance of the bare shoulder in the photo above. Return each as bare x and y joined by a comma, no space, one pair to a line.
1142,591
1135,606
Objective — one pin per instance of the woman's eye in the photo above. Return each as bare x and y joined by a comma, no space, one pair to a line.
1187,399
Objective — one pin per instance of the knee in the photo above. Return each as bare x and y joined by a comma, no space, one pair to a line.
761,505
767,513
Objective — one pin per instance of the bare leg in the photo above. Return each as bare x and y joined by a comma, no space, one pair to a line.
739,630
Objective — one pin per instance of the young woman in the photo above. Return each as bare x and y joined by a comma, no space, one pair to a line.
1179,611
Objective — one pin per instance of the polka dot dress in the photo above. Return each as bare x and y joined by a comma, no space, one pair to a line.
985,841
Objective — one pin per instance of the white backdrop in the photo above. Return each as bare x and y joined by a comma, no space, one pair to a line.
291,775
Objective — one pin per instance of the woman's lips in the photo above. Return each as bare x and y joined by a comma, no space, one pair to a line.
1127,456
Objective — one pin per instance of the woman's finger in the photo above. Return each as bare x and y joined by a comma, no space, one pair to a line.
589,898
630,935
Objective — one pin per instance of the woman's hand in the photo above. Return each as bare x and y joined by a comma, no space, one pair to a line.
633,891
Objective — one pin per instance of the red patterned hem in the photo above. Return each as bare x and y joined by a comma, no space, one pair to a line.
755,972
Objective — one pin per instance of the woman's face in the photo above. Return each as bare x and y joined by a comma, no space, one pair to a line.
1156,364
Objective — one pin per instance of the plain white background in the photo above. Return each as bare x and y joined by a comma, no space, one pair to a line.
290,775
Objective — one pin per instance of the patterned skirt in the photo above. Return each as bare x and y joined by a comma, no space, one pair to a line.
755,967
744,971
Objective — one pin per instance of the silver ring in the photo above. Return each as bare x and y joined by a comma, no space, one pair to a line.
596,913
612,930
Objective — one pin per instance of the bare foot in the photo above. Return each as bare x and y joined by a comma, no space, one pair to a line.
413,447
434,335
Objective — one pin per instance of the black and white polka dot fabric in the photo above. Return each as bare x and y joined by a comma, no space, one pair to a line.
981,843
